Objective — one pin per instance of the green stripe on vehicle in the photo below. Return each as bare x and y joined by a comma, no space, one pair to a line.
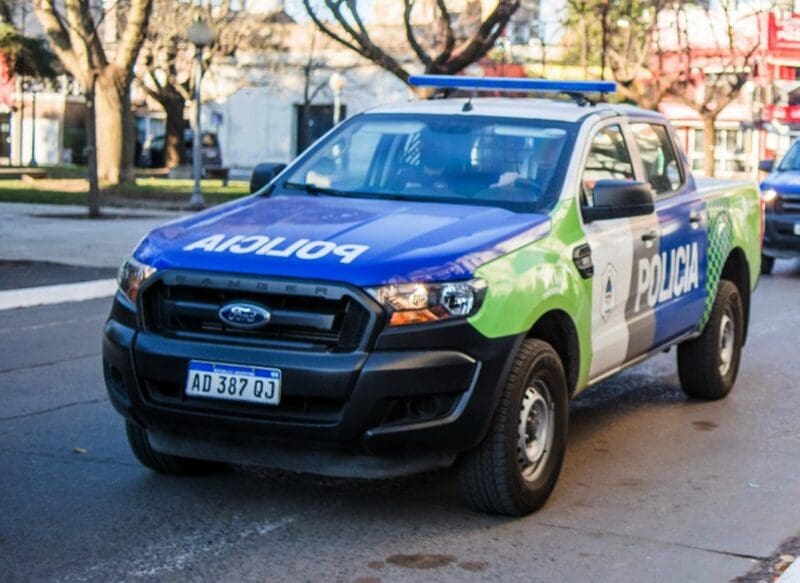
733,222
533,280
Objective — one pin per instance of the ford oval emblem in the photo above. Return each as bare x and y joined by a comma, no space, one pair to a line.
244,315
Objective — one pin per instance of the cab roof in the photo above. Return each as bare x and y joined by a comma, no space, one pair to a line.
527,108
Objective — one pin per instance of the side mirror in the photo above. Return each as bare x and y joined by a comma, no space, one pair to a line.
766,165
264,173
617,199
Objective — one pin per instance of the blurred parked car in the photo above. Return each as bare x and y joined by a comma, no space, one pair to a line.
780,191
154,155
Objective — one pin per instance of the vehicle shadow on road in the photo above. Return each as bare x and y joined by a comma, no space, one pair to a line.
651,385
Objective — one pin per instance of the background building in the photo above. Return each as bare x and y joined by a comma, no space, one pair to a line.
270,105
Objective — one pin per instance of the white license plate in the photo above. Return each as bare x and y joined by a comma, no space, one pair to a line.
233,382
797,228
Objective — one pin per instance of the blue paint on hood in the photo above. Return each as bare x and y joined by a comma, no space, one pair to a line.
357,241
783,182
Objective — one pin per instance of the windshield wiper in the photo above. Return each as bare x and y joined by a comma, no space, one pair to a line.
313,189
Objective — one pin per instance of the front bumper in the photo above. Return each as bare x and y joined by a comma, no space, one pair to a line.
779,237
412,400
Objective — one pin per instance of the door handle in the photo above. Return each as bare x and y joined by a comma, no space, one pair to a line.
649,237
695,219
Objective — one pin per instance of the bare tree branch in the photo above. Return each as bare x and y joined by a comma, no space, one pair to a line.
450,37
56,31
327,30
424,58
133,35
483,40
450,60
359,42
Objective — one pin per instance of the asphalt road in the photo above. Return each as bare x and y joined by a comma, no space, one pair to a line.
654,488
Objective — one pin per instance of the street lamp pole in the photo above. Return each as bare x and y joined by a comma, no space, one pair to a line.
33,163
21,120
196,201
200,35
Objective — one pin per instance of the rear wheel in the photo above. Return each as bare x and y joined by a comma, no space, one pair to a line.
514,469
162,462
707,365
767,263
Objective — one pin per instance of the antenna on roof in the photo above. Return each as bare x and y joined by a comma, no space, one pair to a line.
574,89
468,105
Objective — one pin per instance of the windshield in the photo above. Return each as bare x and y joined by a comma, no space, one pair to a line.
513,163
791,161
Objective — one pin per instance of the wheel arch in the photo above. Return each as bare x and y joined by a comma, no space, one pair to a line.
557,328
737,270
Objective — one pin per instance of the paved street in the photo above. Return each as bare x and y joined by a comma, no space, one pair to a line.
655,487
62,234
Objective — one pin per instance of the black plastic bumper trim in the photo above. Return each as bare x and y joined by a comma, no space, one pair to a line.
449,359
312,459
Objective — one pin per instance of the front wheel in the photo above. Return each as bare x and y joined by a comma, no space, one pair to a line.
707,365
514,469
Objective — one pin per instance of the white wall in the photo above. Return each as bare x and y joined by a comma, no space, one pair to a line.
48,141
259,122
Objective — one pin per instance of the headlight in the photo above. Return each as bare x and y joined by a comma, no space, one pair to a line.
131,276
414,303
768,195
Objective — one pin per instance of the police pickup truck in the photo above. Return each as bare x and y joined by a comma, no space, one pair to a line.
428,285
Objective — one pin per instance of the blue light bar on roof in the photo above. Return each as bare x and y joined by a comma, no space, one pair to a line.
511,84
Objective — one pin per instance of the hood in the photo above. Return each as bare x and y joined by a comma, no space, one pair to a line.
786,182
358,241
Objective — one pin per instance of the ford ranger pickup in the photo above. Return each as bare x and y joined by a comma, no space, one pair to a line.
429,285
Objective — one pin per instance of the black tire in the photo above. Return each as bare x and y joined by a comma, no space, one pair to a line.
491,475
701,364
767,263
161,462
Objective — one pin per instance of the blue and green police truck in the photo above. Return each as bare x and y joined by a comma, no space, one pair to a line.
428,285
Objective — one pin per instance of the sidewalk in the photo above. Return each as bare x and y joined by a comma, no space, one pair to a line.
61,234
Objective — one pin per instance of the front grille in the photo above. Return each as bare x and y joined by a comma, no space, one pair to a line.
332,321
788,204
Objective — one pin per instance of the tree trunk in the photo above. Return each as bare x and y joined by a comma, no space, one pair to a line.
174,150
114,126
709,136
128,138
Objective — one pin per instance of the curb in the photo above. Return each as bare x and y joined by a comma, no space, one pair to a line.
57,294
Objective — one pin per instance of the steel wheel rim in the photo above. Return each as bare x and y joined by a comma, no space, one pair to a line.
535,430
727,337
